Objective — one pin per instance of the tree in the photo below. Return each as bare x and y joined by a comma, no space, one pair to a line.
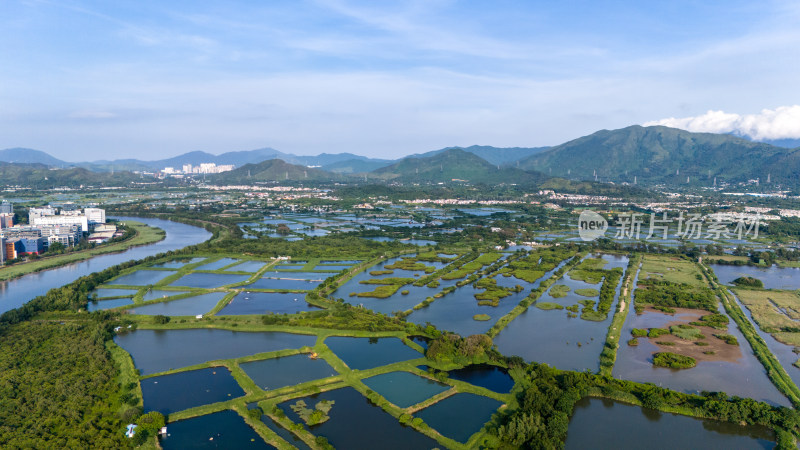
56,247
151,422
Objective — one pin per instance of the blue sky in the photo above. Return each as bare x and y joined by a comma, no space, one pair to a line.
87,80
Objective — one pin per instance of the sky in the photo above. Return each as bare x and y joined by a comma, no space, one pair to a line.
87,80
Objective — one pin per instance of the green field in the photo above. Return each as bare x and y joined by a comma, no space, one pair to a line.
776,312
672,269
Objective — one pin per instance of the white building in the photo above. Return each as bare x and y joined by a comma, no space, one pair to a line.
61,220
34,213
95,215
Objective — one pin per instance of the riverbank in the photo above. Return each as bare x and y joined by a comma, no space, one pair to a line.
144,235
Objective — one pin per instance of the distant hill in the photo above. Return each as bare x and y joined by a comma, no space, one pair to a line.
449,165
236,158
30,156
271,170
40,176
494,155
662,154
356,165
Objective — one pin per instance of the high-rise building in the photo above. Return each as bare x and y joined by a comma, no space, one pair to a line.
95,215
6,208
6,220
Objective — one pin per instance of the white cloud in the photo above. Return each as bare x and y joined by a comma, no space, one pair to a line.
781,123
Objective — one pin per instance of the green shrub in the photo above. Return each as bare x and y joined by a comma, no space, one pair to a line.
656,332
548,305
673,361
727,338
559,291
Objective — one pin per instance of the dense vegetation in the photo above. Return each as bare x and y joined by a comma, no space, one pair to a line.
57,386
749,282
676,295
673,361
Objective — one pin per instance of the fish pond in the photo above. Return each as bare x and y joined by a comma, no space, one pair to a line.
366,353
224,429
275,373
355,423
183,390
108,304
156,351
190,306
266,302
607,424
404,389
141,277
209,280
487,376
276,284
459,416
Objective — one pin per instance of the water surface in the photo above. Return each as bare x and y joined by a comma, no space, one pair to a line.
190,306
404,389
141,277
156,351
366,353
774,277
606,424
183,390
224,429
267,302
355,423
485,375
459,416
208,280
275,373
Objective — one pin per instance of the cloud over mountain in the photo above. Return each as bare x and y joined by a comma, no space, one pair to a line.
781,123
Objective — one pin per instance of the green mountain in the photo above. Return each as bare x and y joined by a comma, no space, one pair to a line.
40,176
661,154
30,156
271,170
453,165
493,155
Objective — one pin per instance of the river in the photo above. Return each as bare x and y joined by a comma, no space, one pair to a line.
19,291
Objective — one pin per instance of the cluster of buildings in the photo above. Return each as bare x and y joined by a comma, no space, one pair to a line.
202,168
66,225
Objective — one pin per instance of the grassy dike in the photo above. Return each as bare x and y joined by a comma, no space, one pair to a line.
144,235
609,354
775,371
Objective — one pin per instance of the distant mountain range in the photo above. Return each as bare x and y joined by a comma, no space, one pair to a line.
40,176
332,162
638,154
662,154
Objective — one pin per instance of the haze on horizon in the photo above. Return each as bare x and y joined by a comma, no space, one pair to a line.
87,80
